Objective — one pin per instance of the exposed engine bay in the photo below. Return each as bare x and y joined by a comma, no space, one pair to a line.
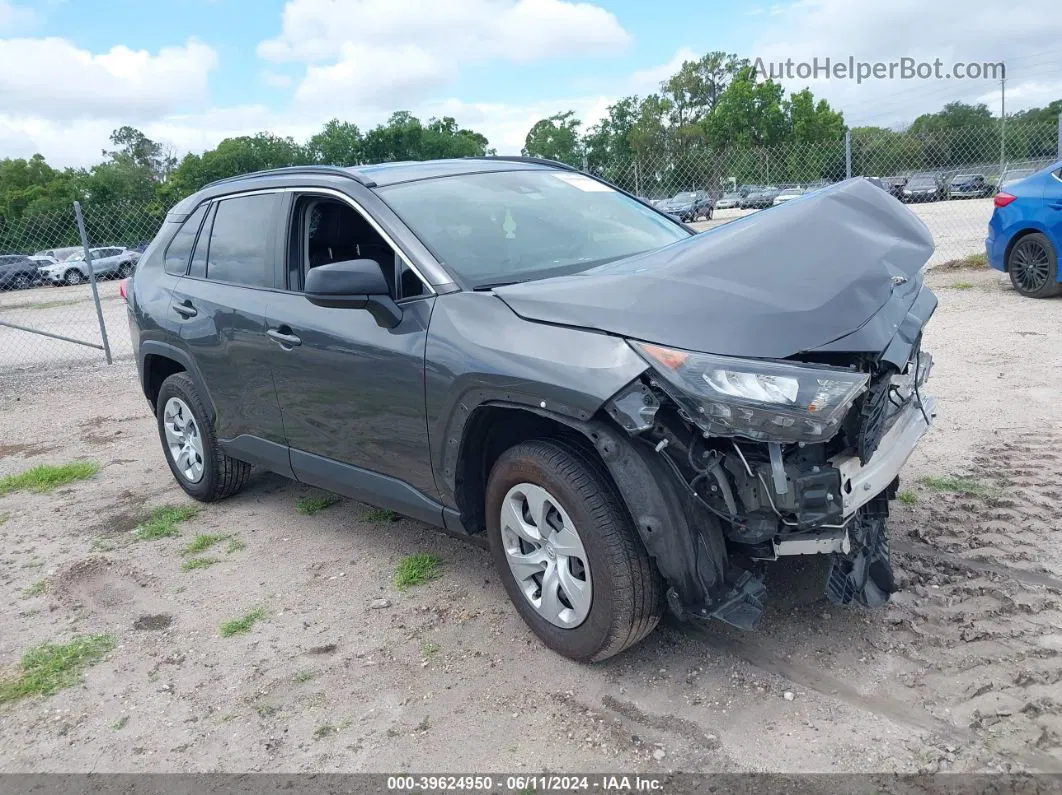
775,497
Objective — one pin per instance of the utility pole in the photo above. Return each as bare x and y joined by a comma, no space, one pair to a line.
1002,123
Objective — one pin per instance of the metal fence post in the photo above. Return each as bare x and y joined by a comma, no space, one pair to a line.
92,280
637,185
848,154
1059,152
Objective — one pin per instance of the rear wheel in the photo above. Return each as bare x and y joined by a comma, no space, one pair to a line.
192,451
567,552
1033,267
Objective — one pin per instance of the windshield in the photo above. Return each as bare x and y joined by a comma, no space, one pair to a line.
922,182
791,192
77,256
964,178
513,226
731,195
686,197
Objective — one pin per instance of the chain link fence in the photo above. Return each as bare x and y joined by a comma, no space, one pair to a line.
948,177
51,313
49,317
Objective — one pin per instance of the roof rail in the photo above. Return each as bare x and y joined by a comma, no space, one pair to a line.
542,161
335,171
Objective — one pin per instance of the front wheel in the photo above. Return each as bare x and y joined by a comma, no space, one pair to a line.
1033,267
196,459
74,276
567,552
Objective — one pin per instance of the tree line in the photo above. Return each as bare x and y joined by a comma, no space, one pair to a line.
711,124
127,194
715,122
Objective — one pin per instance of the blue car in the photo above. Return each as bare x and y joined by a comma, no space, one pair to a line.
1025,233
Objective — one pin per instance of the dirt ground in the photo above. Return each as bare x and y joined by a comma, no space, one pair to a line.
961,672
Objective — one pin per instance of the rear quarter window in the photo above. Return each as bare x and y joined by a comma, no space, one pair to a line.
180,248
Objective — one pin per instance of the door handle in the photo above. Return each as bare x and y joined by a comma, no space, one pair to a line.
185,309
284,336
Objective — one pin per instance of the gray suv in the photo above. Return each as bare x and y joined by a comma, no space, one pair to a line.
632,416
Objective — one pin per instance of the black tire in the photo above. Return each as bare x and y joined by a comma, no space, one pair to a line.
222,476
74,276
1033,267
124,270
22,282
628,591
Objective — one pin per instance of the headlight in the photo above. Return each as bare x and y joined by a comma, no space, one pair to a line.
762,400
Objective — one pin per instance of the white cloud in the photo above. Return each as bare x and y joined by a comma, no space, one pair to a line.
54,79
15,17
381,52
1023,35
276,79
647,81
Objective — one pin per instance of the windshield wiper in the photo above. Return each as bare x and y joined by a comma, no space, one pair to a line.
491,286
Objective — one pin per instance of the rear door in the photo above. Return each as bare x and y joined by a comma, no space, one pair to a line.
1053,213
220,307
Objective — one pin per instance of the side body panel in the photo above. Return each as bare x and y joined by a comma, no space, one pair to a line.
352,391
479,352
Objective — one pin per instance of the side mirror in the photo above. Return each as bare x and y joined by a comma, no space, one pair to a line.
353,284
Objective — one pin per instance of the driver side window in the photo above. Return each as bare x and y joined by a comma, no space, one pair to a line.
326,230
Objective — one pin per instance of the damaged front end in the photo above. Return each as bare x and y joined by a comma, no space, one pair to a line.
776,458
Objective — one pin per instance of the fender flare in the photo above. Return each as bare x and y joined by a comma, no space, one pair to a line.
183,358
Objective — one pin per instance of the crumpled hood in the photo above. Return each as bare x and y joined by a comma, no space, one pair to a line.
771,285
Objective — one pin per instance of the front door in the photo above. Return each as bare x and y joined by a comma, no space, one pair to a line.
351,392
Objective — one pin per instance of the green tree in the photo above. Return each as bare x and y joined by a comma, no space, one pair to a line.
339,143
749,113
556,138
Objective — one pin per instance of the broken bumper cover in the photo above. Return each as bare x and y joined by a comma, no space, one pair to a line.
862,483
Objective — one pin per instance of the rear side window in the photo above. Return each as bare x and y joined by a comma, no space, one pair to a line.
180,248
241,241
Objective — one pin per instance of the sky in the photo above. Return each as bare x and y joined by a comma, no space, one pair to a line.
192,72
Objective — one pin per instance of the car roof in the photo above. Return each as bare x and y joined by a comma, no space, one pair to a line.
371,176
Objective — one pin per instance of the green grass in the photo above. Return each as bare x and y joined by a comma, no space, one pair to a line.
416,569
381,515
119,724
265,710
163,522
304,676
907,497
240,626
235,545
198,563
327,730
201,543
962,285
428,649
46,477
959,484
308,506
36,589
3,518
50,667
969,262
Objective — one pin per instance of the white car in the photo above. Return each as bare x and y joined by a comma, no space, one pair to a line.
107,262
788,195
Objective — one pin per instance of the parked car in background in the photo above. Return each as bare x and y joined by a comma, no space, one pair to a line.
969,186
1012,175
760,198
788,195
924,188
515,352
1025,233
689,205
729,200
895,185
58,254
107,262
18,272
40,260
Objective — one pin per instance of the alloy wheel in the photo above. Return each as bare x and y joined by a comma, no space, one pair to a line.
183,439
1030,265
546,555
